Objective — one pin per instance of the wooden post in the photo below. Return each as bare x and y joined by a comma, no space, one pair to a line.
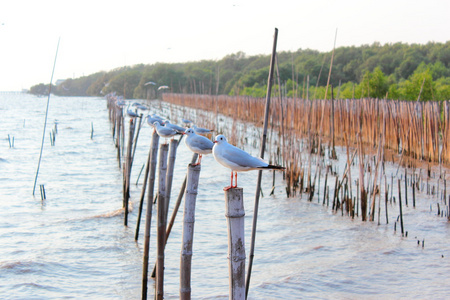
127,174
176,207
263,147
169,176
234,212
188,230
400,205
136,135
406,186
148,220
153,146
161,221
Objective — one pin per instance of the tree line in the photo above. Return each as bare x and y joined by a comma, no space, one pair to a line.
394,71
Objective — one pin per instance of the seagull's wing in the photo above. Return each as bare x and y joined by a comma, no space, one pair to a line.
202,143
242,158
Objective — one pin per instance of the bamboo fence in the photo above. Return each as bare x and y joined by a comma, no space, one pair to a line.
416,129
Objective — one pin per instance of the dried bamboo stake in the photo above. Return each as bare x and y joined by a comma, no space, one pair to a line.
188,231
234,212
136,136
148,220
258,184
170,167
325,186
386,193
406,186
161,221
400,205
176,207
372,209
361,181
129,162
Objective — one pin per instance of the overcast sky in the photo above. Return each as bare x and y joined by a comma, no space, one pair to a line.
101,35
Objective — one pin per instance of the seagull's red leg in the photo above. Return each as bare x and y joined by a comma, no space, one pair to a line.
235,179
231,183
199,160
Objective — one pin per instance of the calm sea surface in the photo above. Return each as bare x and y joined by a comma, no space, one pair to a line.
74,245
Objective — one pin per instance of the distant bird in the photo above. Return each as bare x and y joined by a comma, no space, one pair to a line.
131,113
186,121
120,103
237,160
198,144
158,117
151,120
200,130
163,131
175,127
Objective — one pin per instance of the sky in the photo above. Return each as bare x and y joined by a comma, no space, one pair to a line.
101,35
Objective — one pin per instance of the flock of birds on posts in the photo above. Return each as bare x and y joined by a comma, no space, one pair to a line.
228,155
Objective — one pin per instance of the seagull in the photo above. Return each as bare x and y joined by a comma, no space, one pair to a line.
151,121
186,121
237,160
177,128
163,131
131,113
200,130
198,144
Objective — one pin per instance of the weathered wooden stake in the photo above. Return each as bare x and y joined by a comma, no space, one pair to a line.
148,220
263,147
234,212
127,174
400,205
161,221
169,176
176,207
188,231
153,149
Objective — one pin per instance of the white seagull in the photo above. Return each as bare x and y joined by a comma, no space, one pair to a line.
237,160
163,131
175,127
198,144
200,130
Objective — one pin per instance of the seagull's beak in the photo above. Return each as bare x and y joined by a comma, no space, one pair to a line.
215,142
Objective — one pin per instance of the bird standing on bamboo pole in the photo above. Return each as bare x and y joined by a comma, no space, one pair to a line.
198,144
200,130
165,132
237,159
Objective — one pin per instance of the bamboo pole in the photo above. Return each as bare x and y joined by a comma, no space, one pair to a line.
46,115
176,207
169,176
161,221
129,163
263,146
234,212
148,220
400,205
144,184
193,175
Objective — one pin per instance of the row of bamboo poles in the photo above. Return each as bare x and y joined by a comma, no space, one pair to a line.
157,184
418,129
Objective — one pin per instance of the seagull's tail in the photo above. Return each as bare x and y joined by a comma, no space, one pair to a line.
273,167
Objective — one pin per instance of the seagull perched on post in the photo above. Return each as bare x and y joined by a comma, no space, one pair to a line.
198,144
200,130
237,159
175,127
163,131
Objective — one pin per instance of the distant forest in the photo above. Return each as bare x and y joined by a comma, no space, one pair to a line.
393,71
